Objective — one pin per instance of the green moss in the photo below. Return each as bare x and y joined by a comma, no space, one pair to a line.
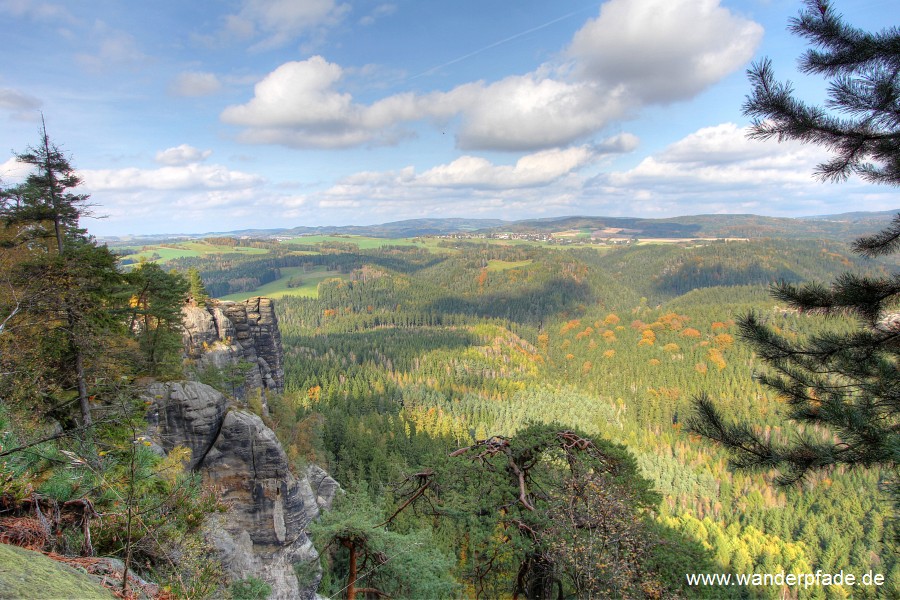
27,574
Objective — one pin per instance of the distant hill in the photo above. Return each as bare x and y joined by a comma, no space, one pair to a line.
838,227
392,230
885,215
843,227
401,229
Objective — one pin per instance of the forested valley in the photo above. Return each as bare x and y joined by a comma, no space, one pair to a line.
424,379
574,407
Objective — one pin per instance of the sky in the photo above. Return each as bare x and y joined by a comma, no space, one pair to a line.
196,116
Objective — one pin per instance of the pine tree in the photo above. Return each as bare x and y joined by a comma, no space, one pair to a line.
860,124
67,275
45,201
846,383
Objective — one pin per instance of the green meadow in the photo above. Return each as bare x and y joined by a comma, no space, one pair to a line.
505,265
169,252
279,288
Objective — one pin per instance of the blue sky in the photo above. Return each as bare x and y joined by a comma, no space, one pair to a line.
198,116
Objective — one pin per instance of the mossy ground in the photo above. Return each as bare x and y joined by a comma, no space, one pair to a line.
27,574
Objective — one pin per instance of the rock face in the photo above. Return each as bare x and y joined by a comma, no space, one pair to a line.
263,534
239,338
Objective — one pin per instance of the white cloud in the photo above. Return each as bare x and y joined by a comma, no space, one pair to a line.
297,94
723,156
382,10
280,21
723,144
298,105
471,173
35,10
532,170
404,195
187,198
532,112
186,177
195,84
182,155
663,50
618,144
636,52
718,170
12,171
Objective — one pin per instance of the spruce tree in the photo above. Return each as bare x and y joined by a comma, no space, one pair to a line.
69,276
46,201
844,383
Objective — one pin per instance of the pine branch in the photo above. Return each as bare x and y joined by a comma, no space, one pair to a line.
884,242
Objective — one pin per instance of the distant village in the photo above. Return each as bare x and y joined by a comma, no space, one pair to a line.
566,238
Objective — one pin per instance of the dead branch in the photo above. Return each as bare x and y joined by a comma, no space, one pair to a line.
523,490
571,440
523,526
8,317
424,479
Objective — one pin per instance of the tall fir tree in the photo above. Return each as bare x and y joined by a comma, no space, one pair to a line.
69,277
45,201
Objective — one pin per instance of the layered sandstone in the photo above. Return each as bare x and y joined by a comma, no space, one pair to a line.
263,533
240,339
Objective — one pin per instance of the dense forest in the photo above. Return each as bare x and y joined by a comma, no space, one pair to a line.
419,355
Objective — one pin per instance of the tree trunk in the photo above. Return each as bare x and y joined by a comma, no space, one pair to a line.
83,400
351,578
57,228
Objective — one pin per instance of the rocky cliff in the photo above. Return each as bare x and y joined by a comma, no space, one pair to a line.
241,339
263,533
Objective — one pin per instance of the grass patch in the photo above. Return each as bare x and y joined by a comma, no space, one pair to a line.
167,252
279,288
27,574
204,248
504,265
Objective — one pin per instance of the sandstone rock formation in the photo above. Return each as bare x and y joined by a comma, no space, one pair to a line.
263,534
237,337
